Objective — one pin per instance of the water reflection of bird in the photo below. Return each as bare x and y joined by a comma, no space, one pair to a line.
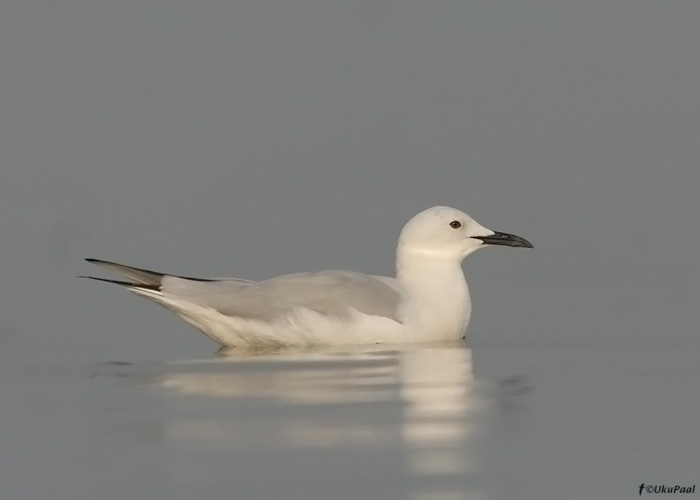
430,385
415,405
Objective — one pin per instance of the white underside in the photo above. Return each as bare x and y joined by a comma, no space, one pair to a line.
300,327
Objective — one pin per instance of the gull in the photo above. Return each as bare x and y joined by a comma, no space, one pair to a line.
427,301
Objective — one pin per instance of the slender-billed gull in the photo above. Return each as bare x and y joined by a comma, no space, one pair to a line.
428,301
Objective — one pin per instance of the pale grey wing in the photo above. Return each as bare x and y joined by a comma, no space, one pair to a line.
335,293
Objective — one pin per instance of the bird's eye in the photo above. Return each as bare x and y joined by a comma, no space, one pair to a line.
455,224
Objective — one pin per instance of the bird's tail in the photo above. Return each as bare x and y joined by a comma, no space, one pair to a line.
140,278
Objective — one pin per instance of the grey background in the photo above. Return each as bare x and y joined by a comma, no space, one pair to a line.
254,138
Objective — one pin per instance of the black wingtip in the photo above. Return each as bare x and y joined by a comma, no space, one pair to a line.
154,274
123,283
116,282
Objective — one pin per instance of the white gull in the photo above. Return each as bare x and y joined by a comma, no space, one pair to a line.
428,301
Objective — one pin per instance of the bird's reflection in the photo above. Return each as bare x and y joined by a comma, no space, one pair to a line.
419,401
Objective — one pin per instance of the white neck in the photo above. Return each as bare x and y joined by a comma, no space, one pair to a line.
437,305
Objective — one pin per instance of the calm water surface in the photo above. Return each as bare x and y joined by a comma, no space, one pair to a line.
433,422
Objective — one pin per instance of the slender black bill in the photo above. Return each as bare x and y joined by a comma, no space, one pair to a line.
509,240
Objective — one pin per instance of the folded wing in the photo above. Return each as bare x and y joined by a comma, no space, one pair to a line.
334,293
